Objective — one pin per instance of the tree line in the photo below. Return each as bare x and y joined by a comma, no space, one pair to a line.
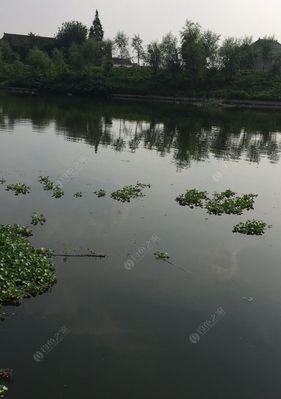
195,55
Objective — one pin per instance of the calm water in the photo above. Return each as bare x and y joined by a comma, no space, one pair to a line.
129,330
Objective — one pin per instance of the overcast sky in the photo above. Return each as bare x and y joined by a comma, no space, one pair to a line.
150,18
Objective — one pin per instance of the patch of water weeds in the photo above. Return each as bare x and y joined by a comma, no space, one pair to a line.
227,202
78,194
192,198
18,188
251,228
24,270
38,219
3,390
49,185
100,193
127,193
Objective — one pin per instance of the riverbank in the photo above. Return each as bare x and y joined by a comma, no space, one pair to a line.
201,101
198,101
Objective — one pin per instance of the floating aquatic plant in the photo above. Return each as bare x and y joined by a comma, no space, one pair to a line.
251,227
100,193
230,203
24,270
2,181
161,255
3,390
127,193
38,219
57,192
18,188
47,183
78,195
192,198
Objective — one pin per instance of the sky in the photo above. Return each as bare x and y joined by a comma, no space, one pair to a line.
150,18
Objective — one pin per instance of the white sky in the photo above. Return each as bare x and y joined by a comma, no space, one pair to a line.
151,18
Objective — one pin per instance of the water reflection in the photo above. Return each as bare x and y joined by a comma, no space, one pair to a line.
188,133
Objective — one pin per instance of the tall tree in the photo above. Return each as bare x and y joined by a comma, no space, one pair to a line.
193,50
121,41
69,33
170,54
96,30
154,56
137,45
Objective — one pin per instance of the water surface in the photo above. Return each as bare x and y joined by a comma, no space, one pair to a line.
129,330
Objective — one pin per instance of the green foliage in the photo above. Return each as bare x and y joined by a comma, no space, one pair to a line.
38,219
78,195
193,198
154,57
18,188
230,203
161,255
39,61
121,41
100,193
137,45
96,31
24,271
251,227
129,192
49,185
3,390
71,32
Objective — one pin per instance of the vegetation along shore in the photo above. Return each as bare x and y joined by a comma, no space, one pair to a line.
197,64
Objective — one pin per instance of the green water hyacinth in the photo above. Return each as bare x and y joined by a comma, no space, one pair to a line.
129,192
230,203
193,198
18,188
100,193
2,181
161,255
3,390
38,219
24,270
251,228
57,192
78,195
47,183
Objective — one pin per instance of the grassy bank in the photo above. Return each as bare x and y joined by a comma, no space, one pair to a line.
141,81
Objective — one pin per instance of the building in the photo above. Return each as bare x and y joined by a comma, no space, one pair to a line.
267,55
19,43
122,62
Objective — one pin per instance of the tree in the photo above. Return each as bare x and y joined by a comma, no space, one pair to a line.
211,46
6,53
154,57
230,56
267,44
71,32
169,53
96,30
75,57
137,45
193,50
121,41
59,64
248,55
107,63
39,61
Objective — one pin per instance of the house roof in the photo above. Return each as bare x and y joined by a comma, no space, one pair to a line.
18,39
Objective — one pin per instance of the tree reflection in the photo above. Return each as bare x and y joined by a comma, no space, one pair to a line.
187,133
